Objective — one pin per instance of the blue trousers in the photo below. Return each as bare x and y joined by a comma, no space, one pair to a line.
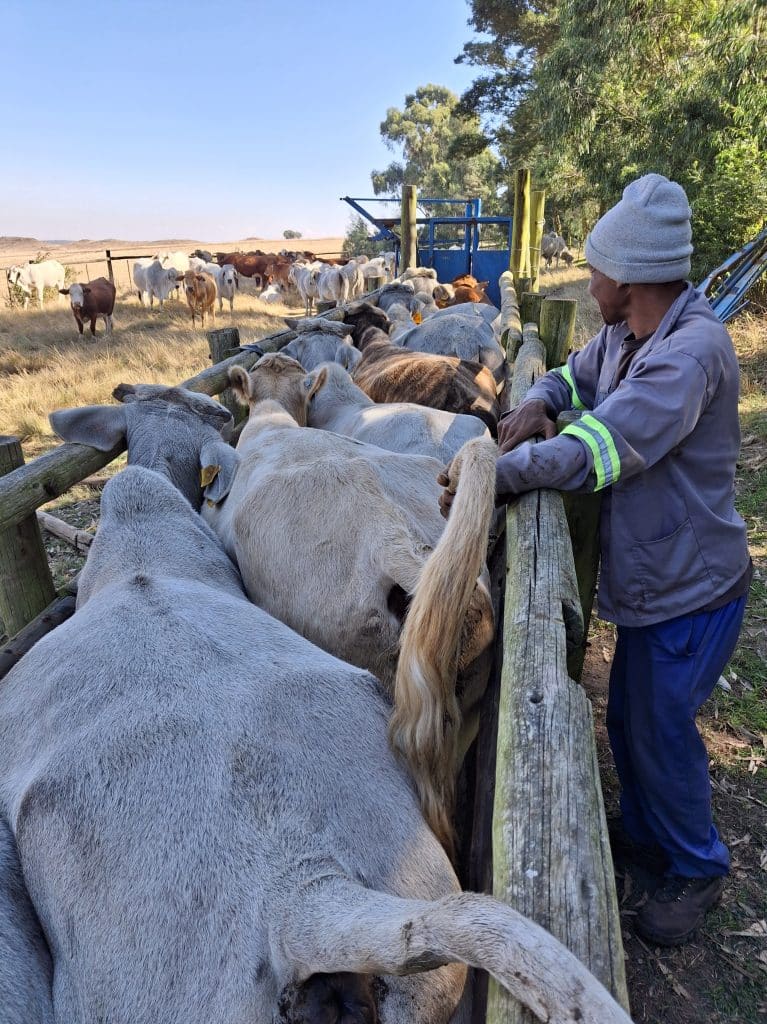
660,677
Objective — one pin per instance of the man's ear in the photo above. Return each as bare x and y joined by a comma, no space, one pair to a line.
218,466
100,426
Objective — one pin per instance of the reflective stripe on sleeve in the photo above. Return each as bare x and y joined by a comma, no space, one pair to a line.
607,465
576,400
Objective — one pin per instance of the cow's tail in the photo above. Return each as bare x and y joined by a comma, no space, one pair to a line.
425,721
340,931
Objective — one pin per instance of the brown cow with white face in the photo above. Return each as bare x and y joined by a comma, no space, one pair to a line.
91,301
200,291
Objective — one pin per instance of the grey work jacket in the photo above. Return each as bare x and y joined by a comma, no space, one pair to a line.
663,443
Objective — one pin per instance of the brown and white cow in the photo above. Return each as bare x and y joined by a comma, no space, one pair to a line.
200,291
91,301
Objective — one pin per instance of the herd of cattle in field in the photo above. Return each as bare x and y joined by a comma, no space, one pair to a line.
229,778
207,277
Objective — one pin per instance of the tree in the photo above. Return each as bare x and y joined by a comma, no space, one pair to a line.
291,234
593,93
444,152
358,240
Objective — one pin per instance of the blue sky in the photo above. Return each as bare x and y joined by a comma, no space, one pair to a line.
203,119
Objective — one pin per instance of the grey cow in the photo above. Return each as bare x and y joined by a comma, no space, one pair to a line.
465,331
200,817
339,405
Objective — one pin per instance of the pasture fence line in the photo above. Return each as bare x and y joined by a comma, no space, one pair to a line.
535,821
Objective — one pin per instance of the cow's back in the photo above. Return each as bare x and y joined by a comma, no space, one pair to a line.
169,786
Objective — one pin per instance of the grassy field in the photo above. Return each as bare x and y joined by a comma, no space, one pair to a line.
46,365
722,976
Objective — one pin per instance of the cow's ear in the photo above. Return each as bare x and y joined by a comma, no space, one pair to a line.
63,291
218,466
100,426
241,383
314,381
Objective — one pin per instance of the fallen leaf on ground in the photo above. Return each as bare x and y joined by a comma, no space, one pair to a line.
758,930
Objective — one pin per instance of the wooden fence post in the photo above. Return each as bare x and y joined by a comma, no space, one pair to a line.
26,585
223,343
557,327
110,271
530,307
409,228
537,201
520,228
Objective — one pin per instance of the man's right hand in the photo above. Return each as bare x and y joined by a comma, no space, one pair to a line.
528,420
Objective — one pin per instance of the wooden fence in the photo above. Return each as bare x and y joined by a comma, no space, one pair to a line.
532,822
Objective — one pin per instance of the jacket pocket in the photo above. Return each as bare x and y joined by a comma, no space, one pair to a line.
670,563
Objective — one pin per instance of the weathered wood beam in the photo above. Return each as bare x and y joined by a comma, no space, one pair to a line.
520,228
557,329
511,324
26,585
551,857
530,307
48,477
537,202
79,539
14,650
409,228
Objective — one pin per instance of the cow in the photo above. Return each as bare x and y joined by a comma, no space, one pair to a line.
467,331
226,790
339,405
202,254
305,278
251,265
91,301
553,246
392,548
200,291
153,281
321,341
37,276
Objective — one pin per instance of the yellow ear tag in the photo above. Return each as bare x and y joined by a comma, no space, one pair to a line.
416,317
208,474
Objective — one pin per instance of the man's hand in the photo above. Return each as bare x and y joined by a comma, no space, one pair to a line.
528,420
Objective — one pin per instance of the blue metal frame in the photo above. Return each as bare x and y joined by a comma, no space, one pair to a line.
727,285
449,263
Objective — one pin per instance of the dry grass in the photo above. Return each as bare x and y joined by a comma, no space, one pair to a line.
46,365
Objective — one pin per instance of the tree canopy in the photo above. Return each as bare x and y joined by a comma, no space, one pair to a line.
444,150
592,93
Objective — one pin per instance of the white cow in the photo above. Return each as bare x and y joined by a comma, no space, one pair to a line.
361,527
272,293
339,405
154,281
37,276
200,816
177,260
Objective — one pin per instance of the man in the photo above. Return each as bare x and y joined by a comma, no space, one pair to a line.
658,387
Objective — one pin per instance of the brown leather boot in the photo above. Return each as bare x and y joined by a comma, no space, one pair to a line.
677,909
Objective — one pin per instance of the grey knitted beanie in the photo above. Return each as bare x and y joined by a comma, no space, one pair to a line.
646,237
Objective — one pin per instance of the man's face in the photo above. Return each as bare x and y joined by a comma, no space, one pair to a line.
611,297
